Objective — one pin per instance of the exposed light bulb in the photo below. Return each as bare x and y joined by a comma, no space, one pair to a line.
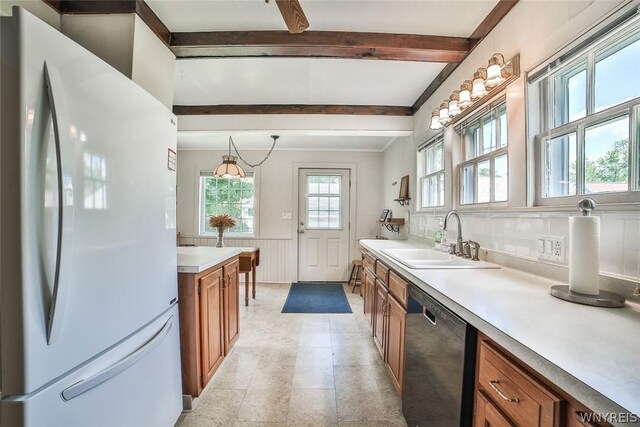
479,90
494,71
464,96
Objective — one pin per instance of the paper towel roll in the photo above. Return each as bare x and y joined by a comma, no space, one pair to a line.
584,263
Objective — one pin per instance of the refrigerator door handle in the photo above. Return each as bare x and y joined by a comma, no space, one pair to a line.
56,303
87,384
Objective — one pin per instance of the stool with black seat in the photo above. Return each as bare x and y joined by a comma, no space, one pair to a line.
356,269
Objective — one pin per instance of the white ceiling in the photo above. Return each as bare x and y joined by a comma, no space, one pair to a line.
437,17
308,80
301,81
261,140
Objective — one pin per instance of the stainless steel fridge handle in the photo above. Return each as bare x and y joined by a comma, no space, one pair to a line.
87,384
54,316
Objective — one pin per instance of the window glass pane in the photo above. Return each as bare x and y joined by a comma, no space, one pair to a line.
323,219
323,184
472,136
488,135
234,197
606,165
466,195
433,191
439,158
484,182
425,192
313,184
616,77
501,179
560,166
503,127
441,189
334,184
571,95
334,203
323,206
334,219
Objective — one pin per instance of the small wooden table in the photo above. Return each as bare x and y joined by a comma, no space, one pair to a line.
249,260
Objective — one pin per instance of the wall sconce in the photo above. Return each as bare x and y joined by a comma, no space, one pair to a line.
443,114
454,107
479,90
464,96
435,121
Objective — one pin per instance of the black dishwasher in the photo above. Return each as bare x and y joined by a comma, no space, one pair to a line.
439,368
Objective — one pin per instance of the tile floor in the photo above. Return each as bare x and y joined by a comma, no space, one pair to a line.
299,370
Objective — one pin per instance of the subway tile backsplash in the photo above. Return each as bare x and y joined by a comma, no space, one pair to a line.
516,234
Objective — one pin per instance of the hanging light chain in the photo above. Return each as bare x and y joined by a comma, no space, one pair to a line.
275,138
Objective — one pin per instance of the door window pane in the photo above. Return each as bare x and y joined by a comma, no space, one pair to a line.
324,201
606,148
466,195
616,77
484,182
560,166
501,178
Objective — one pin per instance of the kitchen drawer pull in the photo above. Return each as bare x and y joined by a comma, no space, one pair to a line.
494,386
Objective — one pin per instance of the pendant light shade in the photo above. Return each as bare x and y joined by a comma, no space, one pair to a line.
479,90
494,71
443,113
229,168
435,121
464,96
454,108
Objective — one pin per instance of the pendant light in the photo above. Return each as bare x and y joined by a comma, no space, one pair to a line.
454,108
479,90
464,96
494,71
443,113
435,121
230,168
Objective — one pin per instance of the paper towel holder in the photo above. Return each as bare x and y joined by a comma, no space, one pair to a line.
604,298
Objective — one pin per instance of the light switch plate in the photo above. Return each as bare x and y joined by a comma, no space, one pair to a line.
551,248
287,215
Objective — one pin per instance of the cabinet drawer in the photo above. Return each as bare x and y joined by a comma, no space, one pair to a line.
525,400
369,261
398,287
382,272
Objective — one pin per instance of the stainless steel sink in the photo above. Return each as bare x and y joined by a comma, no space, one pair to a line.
425,259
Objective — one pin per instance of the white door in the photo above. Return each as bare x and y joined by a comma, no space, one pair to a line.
323,225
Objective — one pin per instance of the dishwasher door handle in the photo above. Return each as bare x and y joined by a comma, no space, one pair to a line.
430,316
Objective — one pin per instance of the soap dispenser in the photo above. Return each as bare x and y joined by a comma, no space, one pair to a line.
439,235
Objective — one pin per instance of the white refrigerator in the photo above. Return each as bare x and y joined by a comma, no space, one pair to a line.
89,328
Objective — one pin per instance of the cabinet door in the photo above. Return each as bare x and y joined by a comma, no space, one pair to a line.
369,292
396,323
212,345
487,415
379,316
231,299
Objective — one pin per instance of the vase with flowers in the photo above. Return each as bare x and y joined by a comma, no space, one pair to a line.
221,222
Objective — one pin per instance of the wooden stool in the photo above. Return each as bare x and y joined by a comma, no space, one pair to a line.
357,266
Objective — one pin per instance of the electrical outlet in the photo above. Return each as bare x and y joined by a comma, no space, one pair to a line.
551,248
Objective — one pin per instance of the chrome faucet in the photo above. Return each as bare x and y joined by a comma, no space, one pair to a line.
459,248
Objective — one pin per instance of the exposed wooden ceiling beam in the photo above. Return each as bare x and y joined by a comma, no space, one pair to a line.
101,7
321,44
366,110
293,15
488,23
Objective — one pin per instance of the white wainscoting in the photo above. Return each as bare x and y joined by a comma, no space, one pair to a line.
277,259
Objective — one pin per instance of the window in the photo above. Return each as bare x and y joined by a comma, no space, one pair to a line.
324,204
484,174
233,196
589,117
431,173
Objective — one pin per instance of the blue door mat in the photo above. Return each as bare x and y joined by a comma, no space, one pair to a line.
309,297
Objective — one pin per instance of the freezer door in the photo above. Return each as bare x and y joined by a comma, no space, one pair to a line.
136,384
95,259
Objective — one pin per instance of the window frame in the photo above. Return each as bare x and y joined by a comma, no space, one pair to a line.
423,176
604,46
491,111
339,195
232,235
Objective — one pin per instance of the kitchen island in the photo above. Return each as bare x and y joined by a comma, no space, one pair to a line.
209,300
588,352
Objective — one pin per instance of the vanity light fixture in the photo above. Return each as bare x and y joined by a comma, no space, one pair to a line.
454,107
435,121
479,90
443,114
494,71
464,96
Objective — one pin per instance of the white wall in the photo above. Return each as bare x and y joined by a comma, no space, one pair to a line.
399,160
37,7
535,30
276,197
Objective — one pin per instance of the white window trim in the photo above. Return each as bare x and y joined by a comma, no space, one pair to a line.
256,209
421,175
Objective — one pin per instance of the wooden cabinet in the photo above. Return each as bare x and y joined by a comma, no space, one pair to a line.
209,322
379,316
369,283
394,340
398,288
487,415
231,301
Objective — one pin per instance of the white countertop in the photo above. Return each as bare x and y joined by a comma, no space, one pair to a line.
194,259
580,348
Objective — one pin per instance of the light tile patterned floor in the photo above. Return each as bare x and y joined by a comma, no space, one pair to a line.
299,370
